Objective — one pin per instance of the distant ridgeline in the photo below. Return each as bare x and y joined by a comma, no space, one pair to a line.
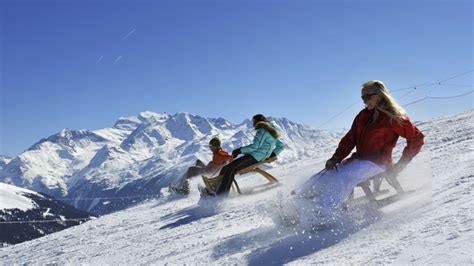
109,169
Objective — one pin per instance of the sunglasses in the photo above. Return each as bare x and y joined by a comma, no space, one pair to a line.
367,96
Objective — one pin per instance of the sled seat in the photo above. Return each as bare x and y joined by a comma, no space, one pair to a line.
377,181
212,182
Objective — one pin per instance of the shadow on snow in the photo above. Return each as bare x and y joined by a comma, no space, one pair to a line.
191,214
278,245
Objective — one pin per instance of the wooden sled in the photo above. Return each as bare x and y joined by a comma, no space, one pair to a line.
212,183
377,182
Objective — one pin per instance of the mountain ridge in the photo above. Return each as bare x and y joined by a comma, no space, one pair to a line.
150,148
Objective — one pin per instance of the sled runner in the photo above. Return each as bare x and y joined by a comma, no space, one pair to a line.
377,182
213,182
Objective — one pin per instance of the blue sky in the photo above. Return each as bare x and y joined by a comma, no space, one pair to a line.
81,65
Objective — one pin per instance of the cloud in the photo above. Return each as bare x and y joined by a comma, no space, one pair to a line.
99,60
128,35
118,59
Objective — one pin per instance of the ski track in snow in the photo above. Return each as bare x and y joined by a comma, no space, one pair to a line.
432,226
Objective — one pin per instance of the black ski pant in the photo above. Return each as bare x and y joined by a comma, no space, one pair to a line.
230,170
199,169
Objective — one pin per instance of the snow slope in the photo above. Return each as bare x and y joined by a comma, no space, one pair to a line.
432,226
19,206
12,198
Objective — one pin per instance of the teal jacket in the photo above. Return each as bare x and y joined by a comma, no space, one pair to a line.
263,143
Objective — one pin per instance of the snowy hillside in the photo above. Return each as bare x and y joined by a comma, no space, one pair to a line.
18,204
431,226
137,157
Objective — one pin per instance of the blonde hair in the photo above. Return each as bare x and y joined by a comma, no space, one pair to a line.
388,105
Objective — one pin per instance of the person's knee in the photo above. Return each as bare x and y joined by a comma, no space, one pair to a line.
233,172
227,178
189,171
194,171
225,169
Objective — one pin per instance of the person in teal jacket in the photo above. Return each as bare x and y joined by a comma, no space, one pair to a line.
265,145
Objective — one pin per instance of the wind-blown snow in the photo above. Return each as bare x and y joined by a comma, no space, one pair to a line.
11,197
432,226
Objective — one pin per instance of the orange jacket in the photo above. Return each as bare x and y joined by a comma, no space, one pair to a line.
219,159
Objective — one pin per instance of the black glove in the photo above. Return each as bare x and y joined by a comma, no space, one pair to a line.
273,155
236,152
331,163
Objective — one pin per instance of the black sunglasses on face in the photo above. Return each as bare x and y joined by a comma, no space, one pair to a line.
367,96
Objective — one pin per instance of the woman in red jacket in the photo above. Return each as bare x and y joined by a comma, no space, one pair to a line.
374,134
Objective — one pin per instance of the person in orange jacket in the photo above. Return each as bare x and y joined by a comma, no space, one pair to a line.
220,158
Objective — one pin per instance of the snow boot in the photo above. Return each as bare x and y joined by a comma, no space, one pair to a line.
183,190
205,192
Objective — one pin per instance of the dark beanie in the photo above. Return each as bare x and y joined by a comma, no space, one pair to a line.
216,142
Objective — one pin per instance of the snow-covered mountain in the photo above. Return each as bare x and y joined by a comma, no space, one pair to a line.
105,170
431,226
26,215
4,160
47,165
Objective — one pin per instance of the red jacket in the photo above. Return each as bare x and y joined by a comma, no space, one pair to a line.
219,159
375,142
